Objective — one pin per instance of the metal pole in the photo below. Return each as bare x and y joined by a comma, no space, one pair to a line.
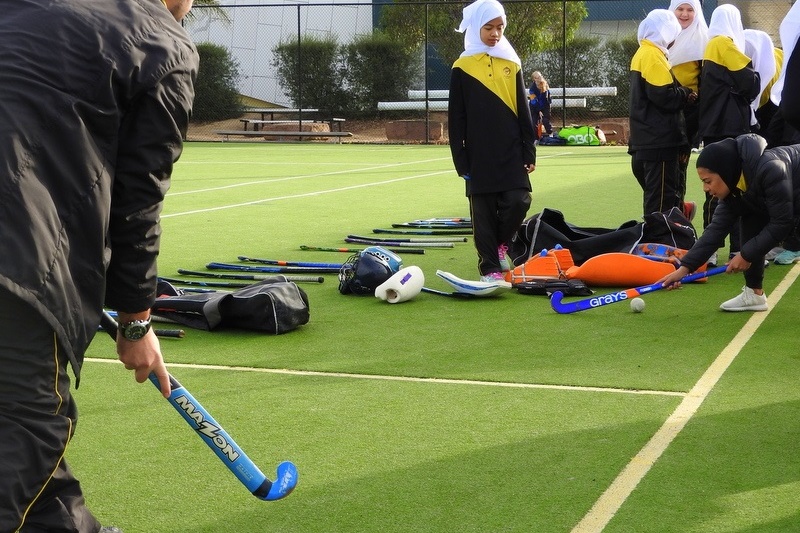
425,66
299,75
564,63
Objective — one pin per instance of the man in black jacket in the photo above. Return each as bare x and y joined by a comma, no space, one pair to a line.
95,99
763,188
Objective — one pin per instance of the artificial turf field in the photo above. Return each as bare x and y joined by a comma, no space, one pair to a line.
442,414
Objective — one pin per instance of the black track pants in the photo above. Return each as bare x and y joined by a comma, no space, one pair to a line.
496,217
37,420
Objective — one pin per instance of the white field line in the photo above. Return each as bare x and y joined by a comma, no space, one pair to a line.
407,378
305,176
615,495
307,194
303,195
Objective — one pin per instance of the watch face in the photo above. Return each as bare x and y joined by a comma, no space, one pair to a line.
135,330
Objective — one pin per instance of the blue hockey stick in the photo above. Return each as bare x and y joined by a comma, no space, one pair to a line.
220,441
614,297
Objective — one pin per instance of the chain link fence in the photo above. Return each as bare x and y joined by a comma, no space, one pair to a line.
379,72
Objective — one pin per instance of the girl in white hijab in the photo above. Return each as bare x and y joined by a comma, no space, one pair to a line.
660,27
686,58
491,135
657,101
475,16
692,40
726,21
728,84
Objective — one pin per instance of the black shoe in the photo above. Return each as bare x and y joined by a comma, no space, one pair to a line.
110,529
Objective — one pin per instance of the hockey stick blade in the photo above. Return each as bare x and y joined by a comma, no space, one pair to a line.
474,288
463,295
220,442
607,299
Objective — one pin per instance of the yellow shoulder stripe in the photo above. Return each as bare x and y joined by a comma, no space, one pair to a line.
723,52
497,75
651,63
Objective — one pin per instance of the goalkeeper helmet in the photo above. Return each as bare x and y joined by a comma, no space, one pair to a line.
363,272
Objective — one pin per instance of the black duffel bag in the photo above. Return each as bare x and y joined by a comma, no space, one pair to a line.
274,306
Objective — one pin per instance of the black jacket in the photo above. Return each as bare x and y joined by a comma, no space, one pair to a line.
768,206
94,104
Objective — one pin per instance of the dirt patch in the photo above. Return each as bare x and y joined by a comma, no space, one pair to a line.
366,131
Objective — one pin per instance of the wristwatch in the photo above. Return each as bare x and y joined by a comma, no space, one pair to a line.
135,329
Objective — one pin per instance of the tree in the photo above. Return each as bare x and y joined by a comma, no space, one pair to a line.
210,7
216,94
379,68
320,81
620,52
532,26
584,65
590,63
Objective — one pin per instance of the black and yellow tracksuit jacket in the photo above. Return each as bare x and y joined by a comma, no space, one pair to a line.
489,124
728,83
656,102
688,74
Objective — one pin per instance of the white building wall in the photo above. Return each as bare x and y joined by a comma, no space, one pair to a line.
254,30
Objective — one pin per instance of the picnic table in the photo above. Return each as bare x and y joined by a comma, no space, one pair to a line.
272,111
314,115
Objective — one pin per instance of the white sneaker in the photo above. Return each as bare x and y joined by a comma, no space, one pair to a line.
746,301
712,261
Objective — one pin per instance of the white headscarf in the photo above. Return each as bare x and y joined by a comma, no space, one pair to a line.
660,27
726,20
690,42
790,30
759,48
475,16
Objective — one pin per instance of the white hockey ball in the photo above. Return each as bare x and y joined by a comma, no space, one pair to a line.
637,305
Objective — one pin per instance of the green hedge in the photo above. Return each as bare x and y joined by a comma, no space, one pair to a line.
216,94
352,77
